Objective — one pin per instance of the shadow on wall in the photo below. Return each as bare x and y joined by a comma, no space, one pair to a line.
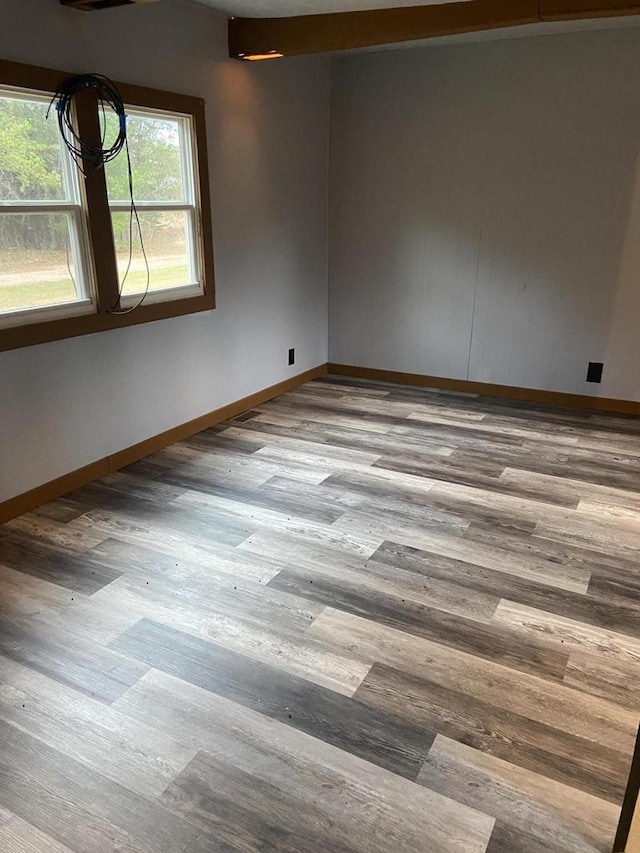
622,356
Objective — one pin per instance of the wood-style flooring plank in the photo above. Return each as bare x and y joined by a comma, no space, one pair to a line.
410,492
600,538
324,451
532,622
249,811
78,572
36,528
53,609
534,814
568,489
600,675
531,563
593,718
356,798
60,510
18,836
241,470
348,433
465,634
379,737
83,809
601,610
618,471
271,521
67,658
216,564
304,504
575,761
96,735
278,642
210,586
150,521
370,578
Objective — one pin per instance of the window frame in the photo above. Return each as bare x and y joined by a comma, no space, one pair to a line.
188,206
72,205
101,252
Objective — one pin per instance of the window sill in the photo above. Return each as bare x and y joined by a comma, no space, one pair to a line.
14,337
165,294
47,314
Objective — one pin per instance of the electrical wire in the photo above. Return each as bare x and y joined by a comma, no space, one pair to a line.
69,270
133,213
97,156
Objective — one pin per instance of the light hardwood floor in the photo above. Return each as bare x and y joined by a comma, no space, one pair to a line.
358,619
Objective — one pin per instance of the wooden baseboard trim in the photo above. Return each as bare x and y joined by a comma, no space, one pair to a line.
512,392
100,468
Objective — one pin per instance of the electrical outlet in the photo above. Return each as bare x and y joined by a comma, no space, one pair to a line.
292,356
594,372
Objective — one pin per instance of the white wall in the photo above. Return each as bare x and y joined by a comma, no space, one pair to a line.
485,211
65,404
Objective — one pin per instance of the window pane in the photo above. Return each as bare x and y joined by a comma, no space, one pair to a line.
30,152
167,244
156,160
37,261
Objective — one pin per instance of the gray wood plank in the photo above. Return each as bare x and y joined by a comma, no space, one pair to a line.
526,743
64,657
470,635
379,737
85,811
594,609
356,798
533,812
251,812
139,757
79,572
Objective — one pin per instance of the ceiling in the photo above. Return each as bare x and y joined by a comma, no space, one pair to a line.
284,8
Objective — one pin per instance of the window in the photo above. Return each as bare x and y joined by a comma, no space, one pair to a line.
161,149
70,263
43,241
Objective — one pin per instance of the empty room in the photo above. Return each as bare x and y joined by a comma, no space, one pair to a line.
319,426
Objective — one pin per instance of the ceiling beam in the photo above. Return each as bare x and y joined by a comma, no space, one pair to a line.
563,10
304,34
96,5
345,30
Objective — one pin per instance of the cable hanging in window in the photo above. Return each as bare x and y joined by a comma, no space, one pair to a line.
96,156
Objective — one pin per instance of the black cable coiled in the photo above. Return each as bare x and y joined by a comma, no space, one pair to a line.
108,96
83,153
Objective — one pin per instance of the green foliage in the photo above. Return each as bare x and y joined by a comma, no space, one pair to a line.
29,153
154,146
30,169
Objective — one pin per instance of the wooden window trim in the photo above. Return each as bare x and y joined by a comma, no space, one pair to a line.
99,218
